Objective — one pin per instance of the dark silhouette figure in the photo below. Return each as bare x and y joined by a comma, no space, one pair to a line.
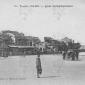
64,55
77,54
38,64
73,56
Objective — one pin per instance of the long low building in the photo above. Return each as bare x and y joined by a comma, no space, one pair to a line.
21,50
15,43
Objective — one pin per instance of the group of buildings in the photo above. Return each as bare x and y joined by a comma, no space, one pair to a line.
15,43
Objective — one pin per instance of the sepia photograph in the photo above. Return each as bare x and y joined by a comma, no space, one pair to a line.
42,42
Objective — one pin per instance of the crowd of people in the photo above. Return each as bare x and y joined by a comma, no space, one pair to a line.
72,54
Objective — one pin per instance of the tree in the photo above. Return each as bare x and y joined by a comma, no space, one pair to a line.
6,39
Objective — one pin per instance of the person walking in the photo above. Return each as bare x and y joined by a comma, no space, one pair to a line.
38,64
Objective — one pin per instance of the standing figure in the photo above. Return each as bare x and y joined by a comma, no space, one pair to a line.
38,64
73,56
77,54
64,55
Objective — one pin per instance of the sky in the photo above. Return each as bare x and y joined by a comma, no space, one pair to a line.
53,22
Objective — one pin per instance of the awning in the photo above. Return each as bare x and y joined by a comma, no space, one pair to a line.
15,46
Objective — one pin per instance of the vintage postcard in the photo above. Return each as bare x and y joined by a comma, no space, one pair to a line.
42,42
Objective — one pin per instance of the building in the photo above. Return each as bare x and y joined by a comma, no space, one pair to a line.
4,48
17,43
67,40
52,45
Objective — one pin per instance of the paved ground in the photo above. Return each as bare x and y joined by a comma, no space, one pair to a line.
19,70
